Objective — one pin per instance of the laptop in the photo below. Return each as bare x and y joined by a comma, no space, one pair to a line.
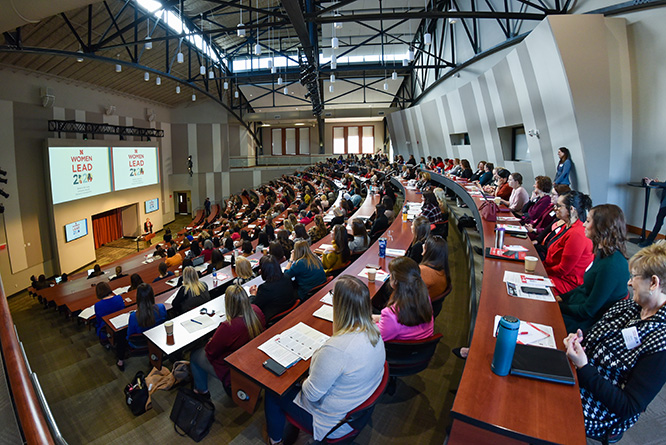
540,363
198,261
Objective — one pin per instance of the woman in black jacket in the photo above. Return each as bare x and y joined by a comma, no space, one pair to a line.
276,294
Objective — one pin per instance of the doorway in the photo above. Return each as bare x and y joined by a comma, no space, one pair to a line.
182,201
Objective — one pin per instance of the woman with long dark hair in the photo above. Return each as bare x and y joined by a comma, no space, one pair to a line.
420,232
563,167
408,313
340,254
276,294
360,241
605,282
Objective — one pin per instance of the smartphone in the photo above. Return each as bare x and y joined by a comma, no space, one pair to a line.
372,266
519,235
534,290
509,254
274,367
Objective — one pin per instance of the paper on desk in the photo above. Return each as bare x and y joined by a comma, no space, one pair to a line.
379,276
523,279
120,321
513,228
328,298
302,340
325,312
172,282
196,323
516,248
325,247
281,355
531,333
120,290
395,252
517,291
87,312
507,219
253,262
201,267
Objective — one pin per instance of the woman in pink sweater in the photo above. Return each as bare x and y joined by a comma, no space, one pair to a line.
408,313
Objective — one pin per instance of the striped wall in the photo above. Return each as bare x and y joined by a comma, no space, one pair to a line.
569,88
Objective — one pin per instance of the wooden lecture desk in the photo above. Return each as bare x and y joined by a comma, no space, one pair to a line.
489,409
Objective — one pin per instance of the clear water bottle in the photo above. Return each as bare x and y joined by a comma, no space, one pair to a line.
507,334
499,237
214,277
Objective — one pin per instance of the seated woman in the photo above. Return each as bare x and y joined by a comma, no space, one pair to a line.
262,242
465,171
344,372
431,209
480,168
275,249
135,280
243,323
306,269
300,234
173,258
539,202
208,250
319,230
502,189
618,376
97,271
360,241
519,196
163,272
108,304
434,266
285,242
216,261
147,315
243,270
380,222
246,248
119,273
276,294
340,254
191,294
420,232
570,251
605,282
408,313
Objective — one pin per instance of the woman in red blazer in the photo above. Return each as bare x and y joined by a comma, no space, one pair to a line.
570,251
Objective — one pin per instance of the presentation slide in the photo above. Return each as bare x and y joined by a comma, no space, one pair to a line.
79,172
76,230
134,167
152,205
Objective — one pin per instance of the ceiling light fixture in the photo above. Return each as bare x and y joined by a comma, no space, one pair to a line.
335,43
236,94
332,78
240,32
148,44
410,54
334,61
177,89
146,76
119,67
226,85
180,58
257,47
158,80
211,74
286,91
279,81
330,88
79,58
405,62
194,97
385,86
427,37
394,75
337,25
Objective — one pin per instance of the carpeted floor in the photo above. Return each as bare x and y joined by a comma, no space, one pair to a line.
85,389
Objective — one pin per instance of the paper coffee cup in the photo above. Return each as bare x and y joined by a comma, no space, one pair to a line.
168,326
177,272
498,200
371,275
530,263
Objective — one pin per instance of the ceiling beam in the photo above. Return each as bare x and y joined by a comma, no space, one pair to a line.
297,20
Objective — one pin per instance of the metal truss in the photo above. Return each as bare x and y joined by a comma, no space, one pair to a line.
93,129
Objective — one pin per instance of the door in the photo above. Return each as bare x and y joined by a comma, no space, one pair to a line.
182,203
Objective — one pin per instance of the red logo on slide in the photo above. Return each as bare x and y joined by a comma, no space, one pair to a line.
136,150
80,152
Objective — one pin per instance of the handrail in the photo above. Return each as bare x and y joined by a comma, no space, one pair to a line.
31,417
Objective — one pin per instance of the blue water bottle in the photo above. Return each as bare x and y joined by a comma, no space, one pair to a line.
382,247
507,334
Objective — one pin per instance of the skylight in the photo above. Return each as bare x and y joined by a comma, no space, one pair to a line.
178,26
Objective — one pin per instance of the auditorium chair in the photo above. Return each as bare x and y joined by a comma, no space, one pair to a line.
408,357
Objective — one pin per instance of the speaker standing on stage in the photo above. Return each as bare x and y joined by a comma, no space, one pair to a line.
148,226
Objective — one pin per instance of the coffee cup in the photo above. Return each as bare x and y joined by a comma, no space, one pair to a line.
498,200
530,263
177,272
371,275
168,327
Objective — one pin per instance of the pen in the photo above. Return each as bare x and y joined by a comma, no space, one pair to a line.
540,330
194,321
523,333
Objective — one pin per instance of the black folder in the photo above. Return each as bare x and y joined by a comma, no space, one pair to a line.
543,364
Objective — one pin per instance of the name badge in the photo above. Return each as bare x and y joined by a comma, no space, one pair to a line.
631,339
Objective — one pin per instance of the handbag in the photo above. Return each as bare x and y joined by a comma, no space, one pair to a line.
193,414
489,211
137,396
181,371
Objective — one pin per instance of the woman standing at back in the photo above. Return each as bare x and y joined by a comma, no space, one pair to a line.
563,167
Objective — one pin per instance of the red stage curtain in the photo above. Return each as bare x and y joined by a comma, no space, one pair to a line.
107,227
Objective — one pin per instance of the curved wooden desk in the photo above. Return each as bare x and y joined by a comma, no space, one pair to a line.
489,409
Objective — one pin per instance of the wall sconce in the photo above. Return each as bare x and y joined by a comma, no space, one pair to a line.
533,133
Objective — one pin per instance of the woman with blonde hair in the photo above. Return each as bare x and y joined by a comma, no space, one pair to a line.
244,321
344,372
306,269
243,270
191,294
